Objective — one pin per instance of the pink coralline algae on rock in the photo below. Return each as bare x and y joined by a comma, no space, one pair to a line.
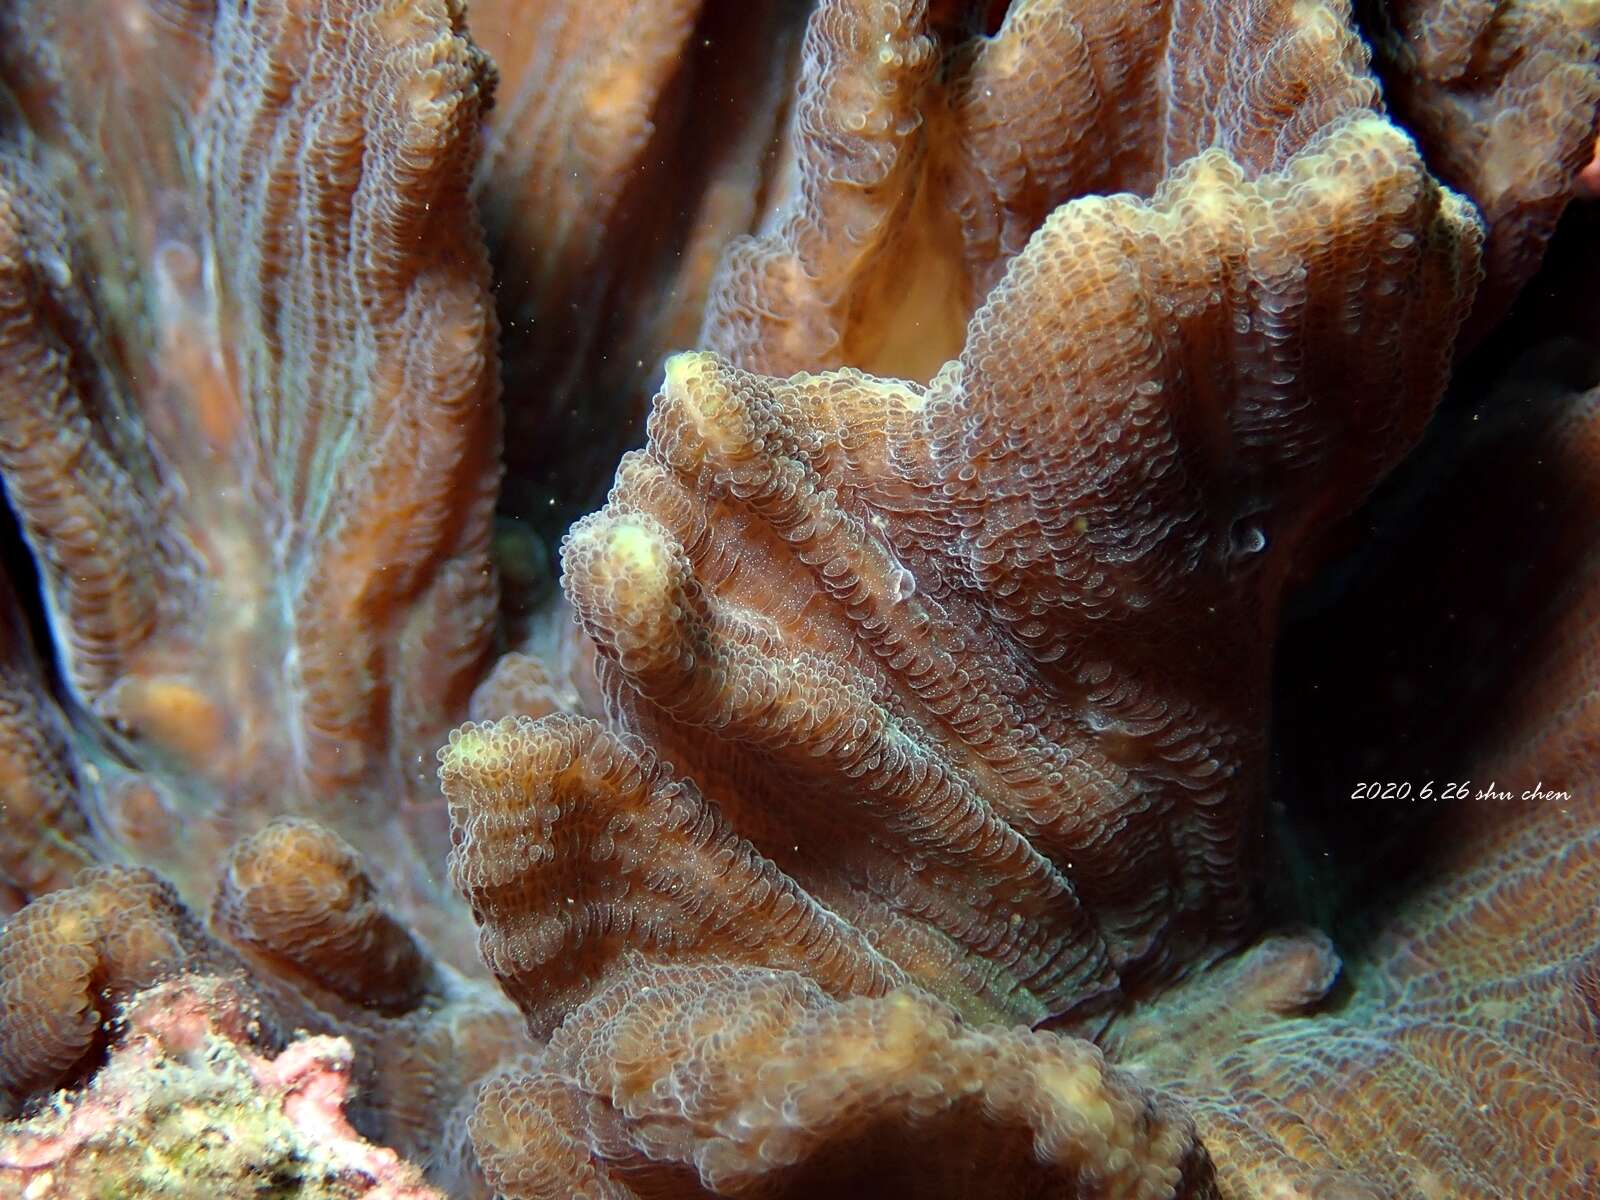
191,1106
906,789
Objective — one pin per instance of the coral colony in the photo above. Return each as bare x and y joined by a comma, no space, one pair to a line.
889,801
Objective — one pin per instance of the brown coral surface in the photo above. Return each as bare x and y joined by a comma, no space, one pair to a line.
607,206
1501,98
68,959
923,162
246,389
249,434
909,708
758,1083
985,622
1460,1053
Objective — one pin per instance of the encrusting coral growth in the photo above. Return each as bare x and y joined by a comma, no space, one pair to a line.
297,905
911,687
319,955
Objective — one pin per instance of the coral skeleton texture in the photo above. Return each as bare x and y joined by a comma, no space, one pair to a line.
902,793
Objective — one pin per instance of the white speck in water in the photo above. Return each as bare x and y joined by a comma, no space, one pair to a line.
57,269
902,584
1248,538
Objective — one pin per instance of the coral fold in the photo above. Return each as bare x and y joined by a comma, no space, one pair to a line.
716,1081
1018,618
247,411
